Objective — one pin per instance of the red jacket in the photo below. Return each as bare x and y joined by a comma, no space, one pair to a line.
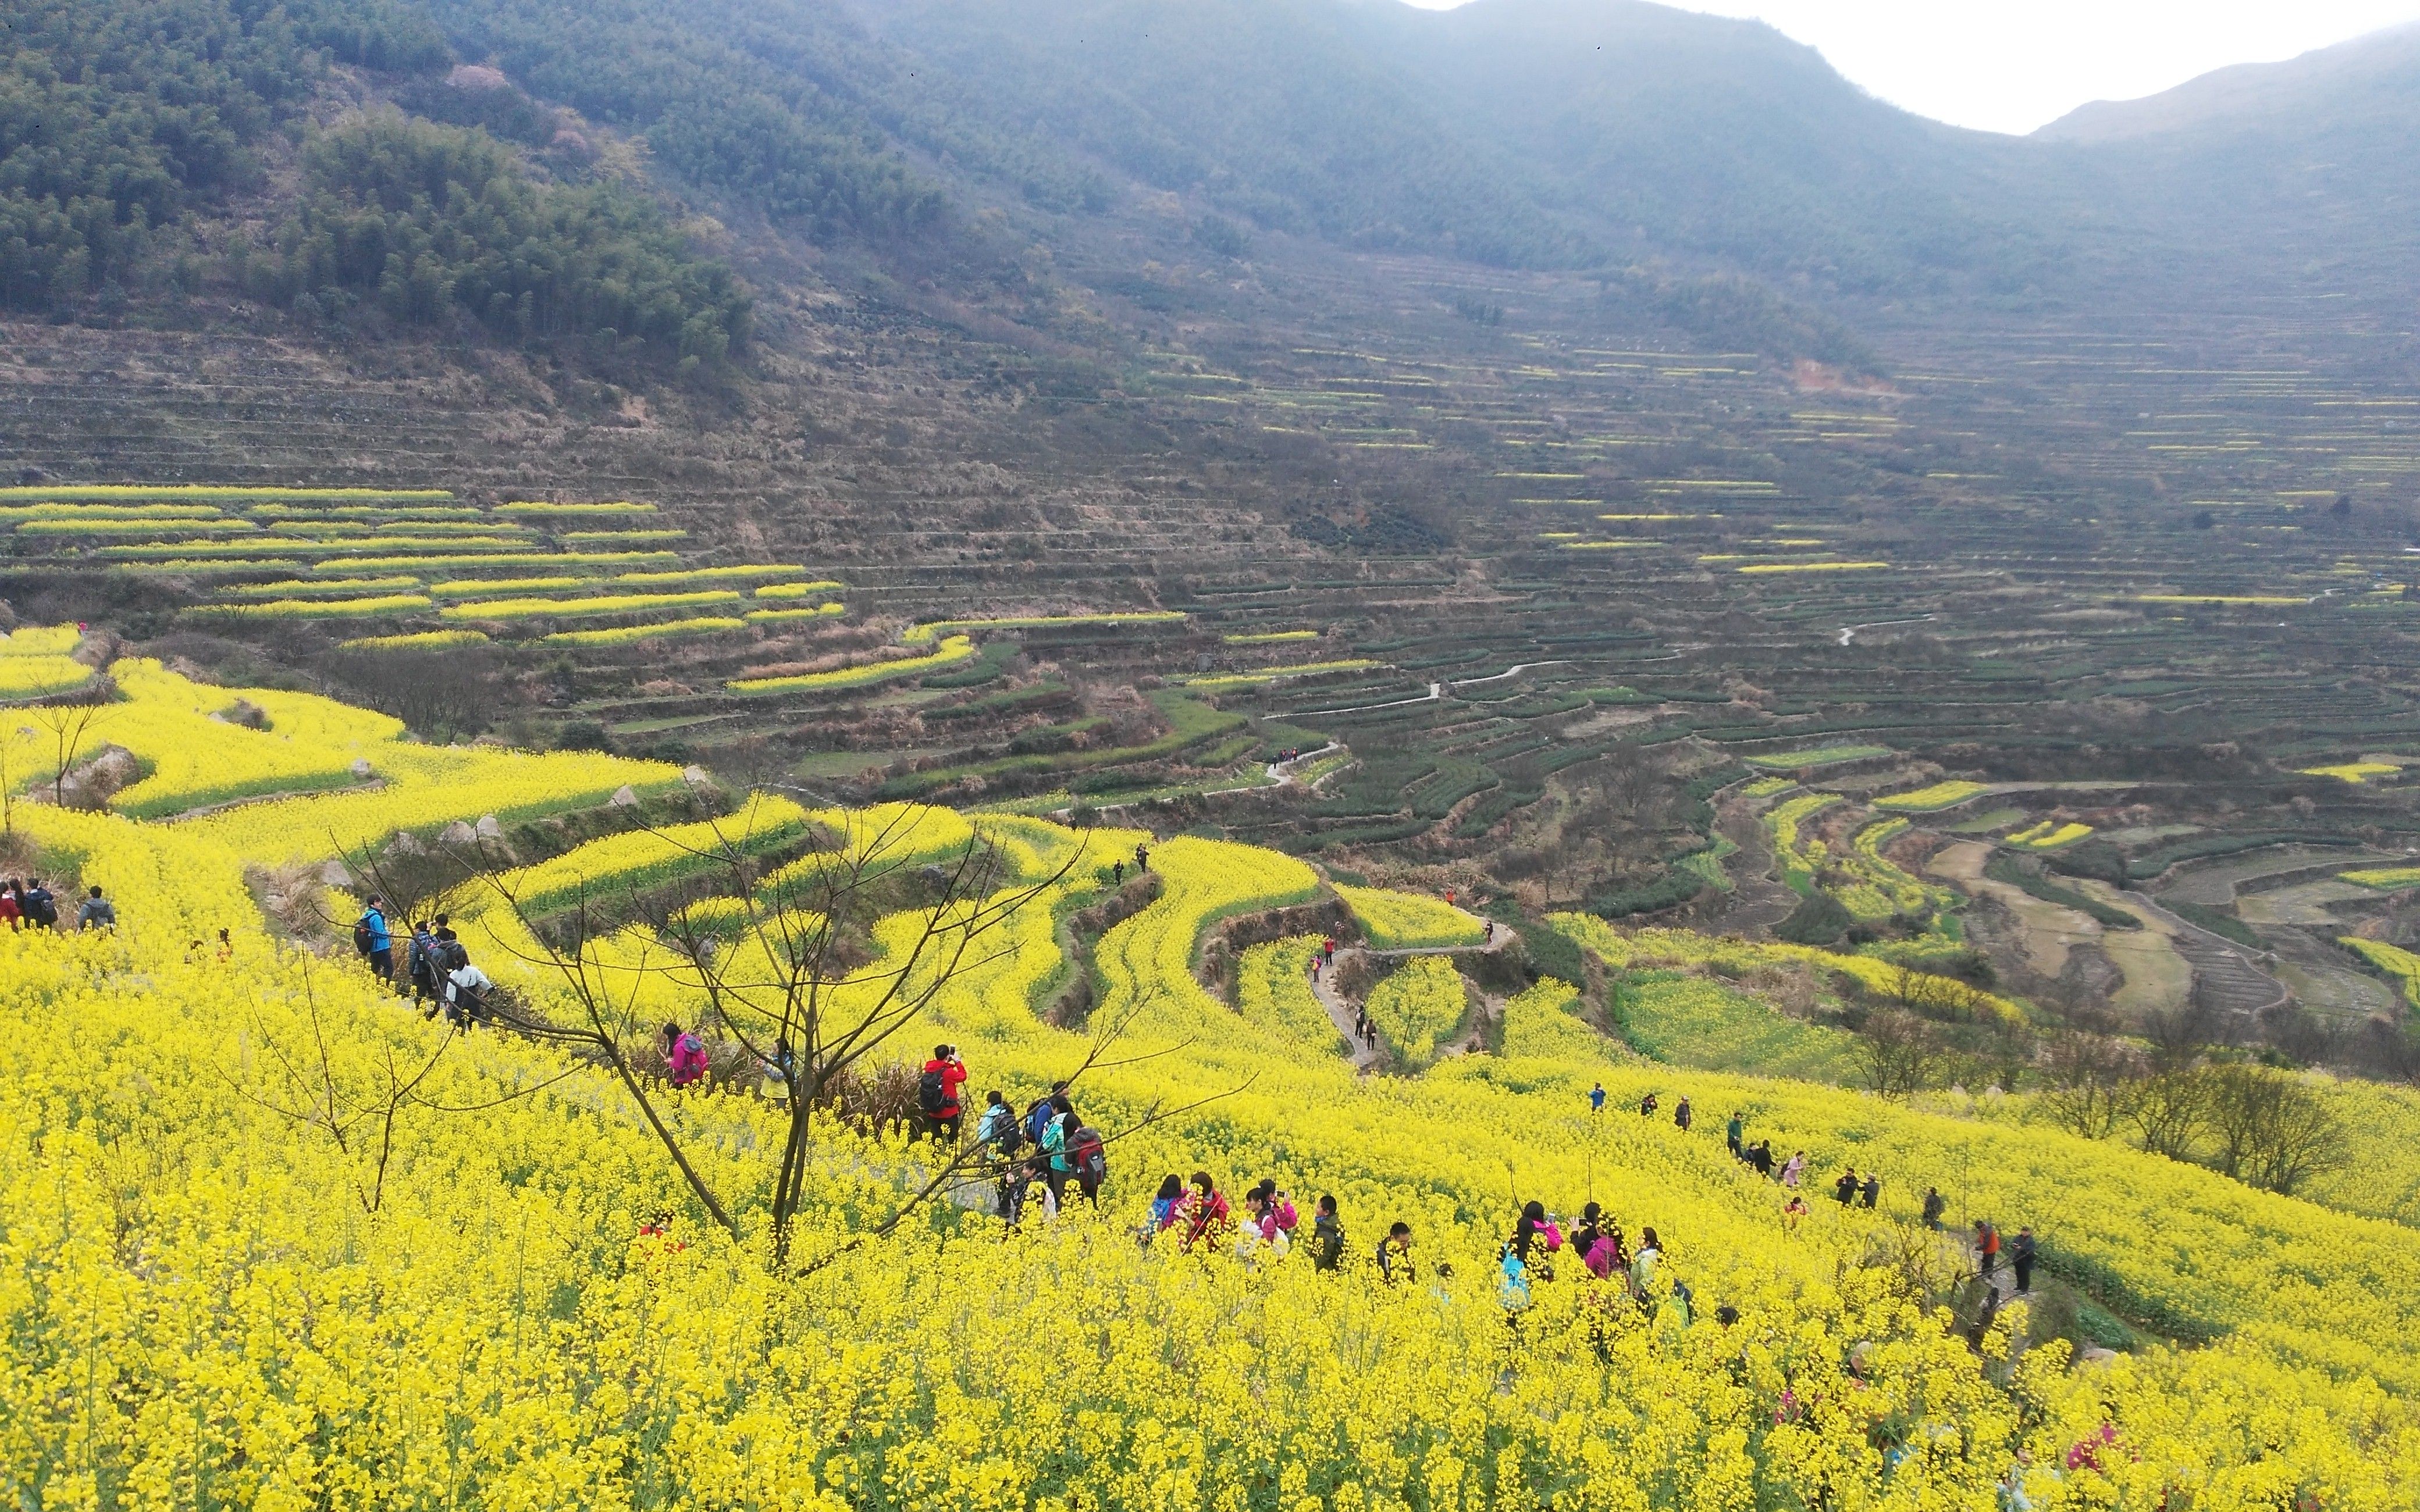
952,1077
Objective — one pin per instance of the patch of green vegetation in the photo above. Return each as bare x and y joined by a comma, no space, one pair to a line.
1190,723
1688,1020
433,222
2225,925
1817,919
2003,867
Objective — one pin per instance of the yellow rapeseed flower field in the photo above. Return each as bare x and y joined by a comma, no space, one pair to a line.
228,1278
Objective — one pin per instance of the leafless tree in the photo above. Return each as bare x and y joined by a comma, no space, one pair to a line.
1900,1052
2170,1111
2268,1129
790,971
2087,1080
358,1101
66,724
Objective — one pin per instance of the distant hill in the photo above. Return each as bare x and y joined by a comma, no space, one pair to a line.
2371,80
2301,175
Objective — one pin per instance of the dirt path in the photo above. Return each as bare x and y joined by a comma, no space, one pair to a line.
1757,902
1368,1057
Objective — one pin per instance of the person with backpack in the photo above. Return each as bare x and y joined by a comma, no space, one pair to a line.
1326,1237
1762,1158
41,908
1057,1165
96,912
446,956
1088,1160
998,1130
373,941
1042,1110
417,964
937,1092
684,1056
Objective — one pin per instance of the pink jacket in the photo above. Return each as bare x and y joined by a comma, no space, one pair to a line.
687,1062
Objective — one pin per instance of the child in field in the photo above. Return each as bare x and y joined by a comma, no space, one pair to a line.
684,1056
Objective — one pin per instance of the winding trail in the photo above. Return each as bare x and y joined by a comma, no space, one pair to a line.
1849,632
1368,1058
1436,690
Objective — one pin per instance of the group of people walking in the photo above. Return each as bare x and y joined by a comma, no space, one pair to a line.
442,978
28,904
1604,1254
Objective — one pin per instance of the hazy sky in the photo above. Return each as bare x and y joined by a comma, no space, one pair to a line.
2012,64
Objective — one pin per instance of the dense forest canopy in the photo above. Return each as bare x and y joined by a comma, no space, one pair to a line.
113,116
427,220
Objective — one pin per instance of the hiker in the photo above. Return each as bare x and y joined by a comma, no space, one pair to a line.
1167,1209
1592,1216
1489,937
1088,1159
1872,1189
1536,1229
1681,1116
1053,1146
1845,1189
1762,1158
1016,1180
1514,1290
1935,1205
416,962
372,940
466,994
1596,1097
1205,1213
1794,1170
1260,1229
1142,858
1326,1237
1281,1205
937,1092
1039,1116
41,908
684,1056
998,1127
96,912
1733,1132
1987,1245
1117,874
1643,1267
446,957
1647,1106
1395,1254
2021,1254
778,1068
